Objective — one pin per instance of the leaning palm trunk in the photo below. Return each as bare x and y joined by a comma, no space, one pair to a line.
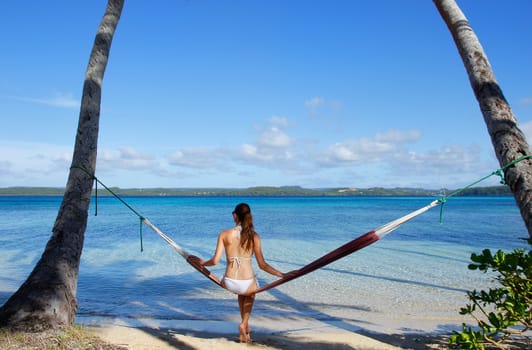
507,139
47,299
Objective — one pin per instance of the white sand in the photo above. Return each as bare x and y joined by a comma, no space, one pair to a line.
267,334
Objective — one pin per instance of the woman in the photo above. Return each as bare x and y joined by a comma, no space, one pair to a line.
239,244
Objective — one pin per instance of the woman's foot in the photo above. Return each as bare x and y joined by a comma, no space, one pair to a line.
244,333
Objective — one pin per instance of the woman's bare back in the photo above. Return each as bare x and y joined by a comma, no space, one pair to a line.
238,259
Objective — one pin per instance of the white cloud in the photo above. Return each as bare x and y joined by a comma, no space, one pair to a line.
62,101
5,167
446,160
251,152
398,136
280,121
526,128
274,137
377,148
389,157
125,158
526,101
199,158
273,146
325,113
59,100
314,102
27,163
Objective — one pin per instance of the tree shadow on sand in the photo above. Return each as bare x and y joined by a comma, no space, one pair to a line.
181,339
174,338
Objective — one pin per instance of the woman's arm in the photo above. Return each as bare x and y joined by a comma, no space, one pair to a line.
260,258
217,253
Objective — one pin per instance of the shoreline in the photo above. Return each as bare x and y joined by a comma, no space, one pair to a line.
267,333
262,191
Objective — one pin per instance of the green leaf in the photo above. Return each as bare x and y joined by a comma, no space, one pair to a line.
495,320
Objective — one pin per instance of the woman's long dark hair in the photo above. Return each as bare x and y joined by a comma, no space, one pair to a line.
243,212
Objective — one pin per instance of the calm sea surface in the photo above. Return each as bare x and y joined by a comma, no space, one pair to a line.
418,271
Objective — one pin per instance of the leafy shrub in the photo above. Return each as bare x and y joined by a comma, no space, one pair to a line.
500,313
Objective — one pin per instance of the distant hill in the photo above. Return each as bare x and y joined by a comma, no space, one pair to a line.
263,191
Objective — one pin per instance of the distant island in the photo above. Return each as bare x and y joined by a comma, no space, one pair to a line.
263,191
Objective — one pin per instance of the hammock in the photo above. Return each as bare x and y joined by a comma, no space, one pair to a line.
338,253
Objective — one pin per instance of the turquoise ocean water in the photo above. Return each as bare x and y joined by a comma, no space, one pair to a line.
415,275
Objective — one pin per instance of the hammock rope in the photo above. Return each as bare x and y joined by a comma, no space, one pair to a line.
499,172
348,248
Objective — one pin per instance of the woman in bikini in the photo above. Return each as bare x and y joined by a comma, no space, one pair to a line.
239,244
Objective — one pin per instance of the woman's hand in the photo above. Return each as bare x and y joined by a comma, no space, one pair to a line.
194,260
290,274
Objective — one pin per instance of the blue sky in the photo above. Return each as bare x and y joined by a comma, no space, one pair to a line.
251,93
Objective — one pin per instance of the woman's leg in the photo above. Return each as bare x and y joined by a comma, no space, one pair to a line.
245,302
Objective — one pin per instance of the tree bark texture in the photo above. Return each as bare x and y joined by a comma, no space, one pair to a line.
508,140
47,299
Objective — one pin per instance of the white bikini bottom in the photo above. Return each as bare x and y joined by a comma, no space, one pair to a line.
238,286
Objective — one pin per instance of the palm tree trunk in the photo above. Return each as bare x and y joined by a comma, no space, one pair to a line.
47,299
508,141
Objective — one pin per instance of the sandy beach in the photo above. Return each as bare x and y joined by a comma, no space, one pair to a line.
267,334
